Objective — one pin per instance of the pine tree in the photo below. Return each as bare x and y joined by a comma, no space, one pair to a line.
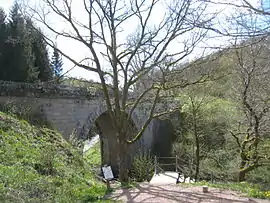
33,71
39,49
3,38
42,59
23,52
57,63
16,60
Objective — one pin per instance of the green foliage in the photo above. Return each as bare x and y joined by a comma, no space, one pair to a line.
260,176
39,48
38,165
57,63
93,156
251,190
143,167
220,165
226,124
206,121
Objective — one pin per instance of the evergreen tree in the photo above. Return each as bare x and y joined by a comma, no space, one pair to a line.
19,57
16,60
39,49
23,53
3,38
42,59
2,16
33,71
57,63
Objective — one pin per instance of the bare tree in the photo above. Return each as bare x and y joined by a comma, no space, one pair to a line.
252,69
158,42
257,7
236,12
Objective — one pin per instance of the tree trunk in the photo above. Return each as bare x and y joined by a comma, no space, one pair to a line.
123,161
197,152
244,170
241,175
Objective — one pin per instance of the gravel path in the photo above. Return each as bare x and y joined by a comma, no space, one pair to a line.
177,193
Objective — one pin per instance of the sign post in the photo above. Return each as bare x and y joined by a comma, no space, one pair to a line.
108,175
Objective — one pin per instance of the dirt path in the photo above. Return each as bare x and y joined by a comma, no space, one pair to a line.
176,193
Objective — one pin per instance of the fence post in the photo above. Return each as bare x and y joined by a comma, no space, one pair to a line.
155,164
176,163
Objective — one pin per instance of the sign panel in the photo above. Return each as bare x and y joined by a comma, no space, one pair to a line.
107,172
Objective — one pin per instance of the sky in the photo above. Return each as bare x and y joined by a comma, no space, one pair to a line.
6,3
266,4
78,52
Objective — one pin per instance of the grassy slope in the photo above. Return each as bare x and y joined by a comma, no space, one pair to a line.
38,165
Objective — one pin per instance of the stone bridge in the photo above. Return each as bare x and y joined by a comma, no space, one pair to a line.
77,110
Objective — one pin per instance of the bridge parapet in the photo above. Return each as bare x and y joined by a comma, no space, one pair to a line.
47,90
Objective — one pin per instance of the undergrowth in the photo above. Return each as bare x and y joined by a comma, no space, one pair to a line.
38,165
93,156
251,190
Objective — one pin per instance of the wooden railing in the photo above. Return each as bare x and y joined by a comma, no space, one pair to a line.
187,169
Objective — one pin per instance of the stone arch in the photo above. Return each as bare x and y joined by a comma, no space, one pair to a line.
108,141
98,109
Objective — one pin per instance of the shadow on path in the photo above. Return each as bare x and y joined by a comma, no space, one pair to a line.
173,193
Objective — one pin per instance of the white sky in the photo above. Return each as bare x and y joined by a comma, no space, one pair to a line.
75,50
6,3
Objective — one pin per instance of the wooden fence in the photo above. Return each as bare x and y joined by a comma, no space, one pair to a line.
187,169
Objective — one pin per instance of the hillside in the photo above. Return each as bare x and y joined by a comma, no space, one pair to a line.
224,131
38,165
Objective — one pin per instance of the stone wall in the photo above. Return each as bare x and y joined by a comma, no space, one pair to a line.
65,115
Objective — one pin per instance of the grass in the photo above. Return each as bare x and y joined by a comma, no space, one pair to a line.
251,190
38,165
93,156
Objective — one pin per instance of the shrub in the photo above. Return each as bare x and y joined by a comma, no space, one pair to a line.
260,176
45,166
143,167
